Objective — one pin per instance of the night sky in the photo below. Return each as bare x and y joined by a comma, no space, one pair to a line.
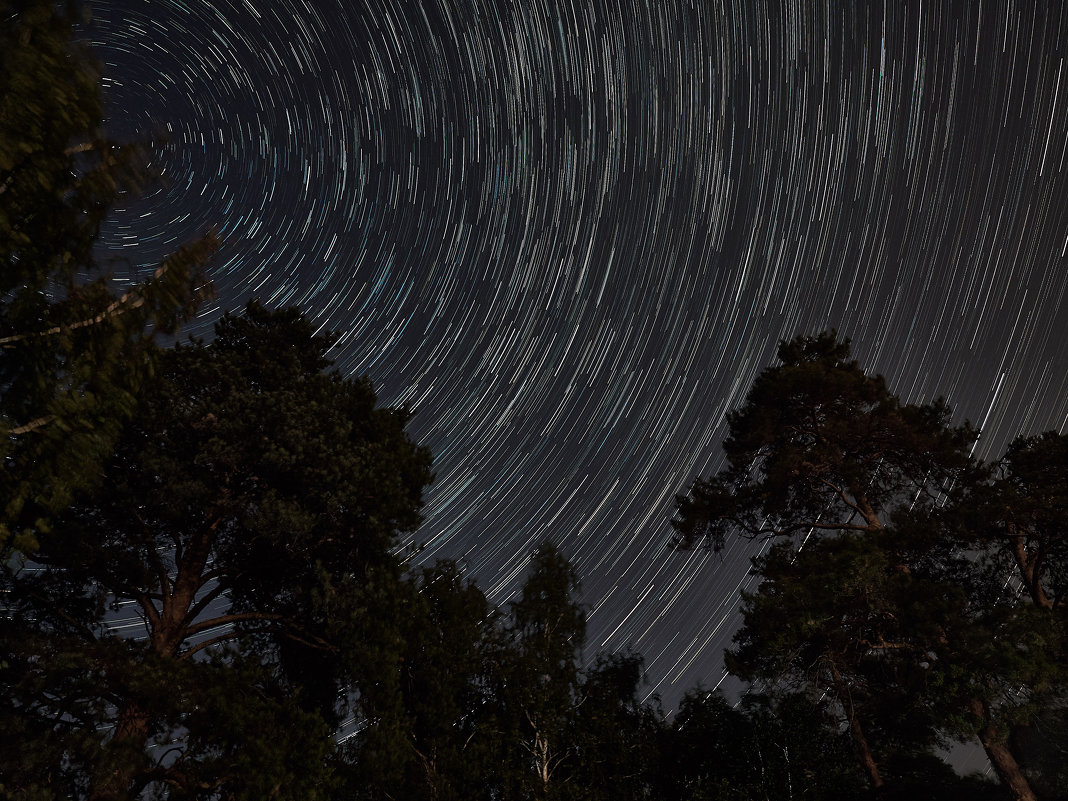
570,234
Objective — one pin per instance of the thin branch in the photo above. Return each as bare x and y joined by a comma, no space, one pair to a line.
805,432
33,425
222,620
153,556
770,532
841,494
1029,564
233,634
883,645
200,646
49,603
129,301
202,604
312,642
149,608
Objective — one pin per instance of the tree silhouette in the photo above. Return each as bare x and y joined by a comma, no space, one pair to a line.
874,594
73,353
248,519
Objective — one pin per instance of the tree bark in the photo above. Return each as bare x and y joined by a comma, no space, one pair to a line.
1029,572
1005,764
169,628
856,731
127,744
869,515
867,761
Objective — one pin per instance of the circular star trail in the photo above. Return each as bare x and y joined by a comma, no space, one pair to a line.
570,234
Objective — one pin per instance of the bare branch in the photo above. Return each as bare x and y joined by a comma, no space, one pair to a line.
770,532
842,494
33,425
222,620
129,301
153,556
200,646
149,608
202,604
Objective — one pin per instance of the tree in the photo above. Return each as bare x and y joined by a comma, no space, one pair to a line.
707,751
783,747
1012,525
1000,540
1016,520
766,747
800,750
493,705
836,620
821,446
562,730
1042,745
824,456
72,353
614,735
539,676
248,519
435,739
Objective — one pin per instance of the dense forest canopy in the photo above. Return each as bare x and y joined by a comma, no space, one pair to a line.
245,506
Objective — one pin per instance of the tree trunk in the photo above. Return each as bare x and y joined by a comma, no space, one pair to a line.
1029,573
856,731
125,750
1005,764
867,761
133,722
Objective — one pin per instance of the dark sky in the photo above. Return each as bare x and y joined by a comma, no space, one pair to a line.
570,234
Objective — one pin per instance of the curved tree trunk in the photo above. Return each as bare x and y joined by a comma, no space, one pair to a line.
1005,764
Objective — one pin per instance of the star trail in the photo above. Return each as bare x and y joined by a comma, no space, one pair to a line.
570,234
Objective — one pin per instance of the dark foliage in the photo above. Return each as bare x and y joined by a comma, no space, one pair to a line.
248,518
73,353
886,590
819,445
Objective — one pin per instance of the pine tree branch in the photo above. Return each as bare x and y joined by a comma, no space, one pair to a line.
207,598
200,646
153,556
233,617
149,608
131,300
33,425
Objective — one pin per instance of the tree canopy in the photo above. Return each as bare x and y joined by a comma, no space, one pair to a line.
73,352
244,543
820,445
248,520
884,585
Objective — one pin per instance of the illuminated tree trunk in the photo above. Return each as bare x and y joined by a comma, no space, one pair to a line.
133,722
1005,764
856,732
867,761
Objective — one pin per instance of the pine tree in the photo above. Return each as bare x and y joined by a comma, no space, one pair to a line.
73,353
248,521
873,594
